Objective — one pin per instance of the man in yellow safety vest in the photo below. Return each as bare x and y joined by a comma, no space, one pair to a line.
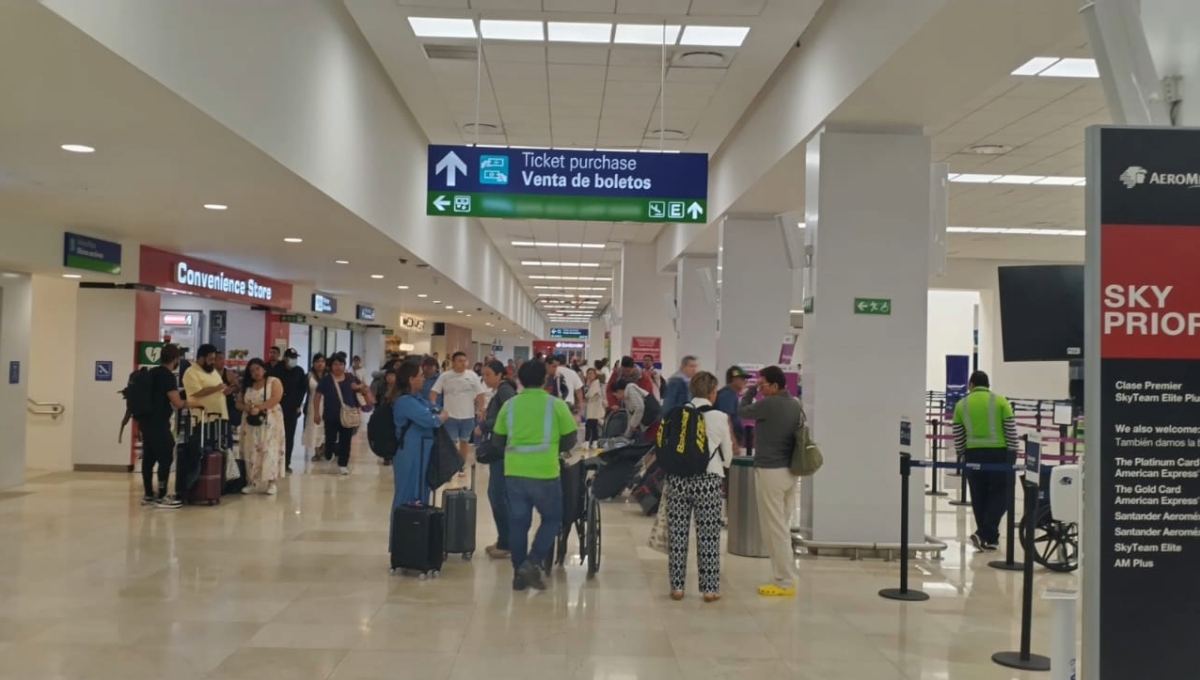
985,432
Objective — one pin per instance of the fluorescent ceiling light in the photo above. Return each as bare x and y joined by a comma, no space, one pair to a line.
422,295
341,261
540,263
496,29
215,206
646,34
1035,66
1061,181
292,239
432,27
78,148
377,276
1015,231
401,287
567,295
437,302
549,277
552,244
1072,68
449,306
968,178
571,31
714,36
569,288
1019,179
460,311
72,276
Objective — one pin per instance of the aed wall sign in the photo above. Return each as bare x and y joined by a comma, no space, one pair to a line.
1141,550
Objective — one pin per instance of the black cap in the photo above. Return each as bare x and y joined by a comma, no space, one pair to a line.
291,353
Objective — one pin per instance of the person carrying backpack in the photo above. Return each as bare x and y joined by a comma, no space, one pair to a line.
694,449
152,398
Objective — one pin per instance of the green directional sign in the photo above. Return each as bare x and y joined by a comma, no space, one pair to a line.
873,306
561,184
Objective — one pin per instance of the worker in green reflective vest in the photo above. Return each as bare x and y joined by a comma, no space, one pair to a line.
985,432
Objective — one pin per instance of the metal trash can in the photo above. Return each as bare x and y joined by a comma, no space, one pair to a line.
745,537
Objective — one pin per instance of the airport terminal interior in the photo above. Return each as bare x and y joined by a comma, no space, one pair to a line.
301,253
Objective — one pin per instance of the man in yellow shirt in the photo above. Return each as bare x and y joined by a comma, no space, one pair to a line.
532,428
202,383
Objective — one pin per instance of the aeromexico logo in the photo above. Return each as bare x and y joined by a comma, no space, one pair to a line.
1136,175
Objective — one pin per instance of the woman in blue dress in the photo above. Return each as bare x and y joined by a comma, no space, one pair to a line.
416,421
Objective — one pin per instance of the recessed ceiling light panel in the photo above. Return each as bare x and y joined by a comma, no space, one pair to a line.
432,27
215,206
1072,68
1035,66
714,36
646,34
341,261
377,276
293,239
573,31
78,148
496,29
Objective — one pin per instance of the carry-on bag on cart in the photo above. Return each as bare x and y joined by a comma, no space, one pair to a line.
418,539
207,488
615,424
460,507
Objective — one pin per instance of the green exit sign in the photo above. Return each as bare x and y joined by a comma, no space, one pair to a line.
873,306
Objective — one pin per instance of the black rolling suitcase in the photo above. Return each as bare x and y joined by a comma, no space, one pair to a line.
418,539
460,507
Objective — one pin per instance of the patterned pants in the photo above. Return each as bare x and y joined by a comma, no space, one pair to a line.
701,495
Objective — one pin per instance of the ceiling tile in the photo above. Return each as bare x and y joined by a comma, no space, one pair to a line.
577,54
519,52
578,72
509,5
663,7
595,6
639,55
456,4
712,76
640,74
727,8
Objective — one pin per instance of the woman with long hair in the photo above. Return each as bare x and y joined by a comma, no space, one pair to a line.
415,421
262,435
314,434
338,392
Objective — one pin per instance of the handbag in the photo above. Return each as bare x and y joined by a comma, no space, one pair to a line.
660,534
350,416
806,456
261,418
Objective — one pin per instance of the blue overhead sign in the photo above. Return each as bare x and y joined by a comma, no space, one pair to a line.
92,254
566,184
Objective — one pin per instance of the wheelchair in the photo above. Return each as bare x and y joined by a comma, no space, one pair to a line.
581,511
1053,543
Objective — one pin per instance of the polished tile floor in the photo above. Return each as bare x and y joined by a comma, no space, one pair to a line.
296,587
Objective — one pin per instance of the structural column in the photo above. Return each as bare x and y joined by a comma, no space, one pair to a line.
696,306
646,299
755,291
868,221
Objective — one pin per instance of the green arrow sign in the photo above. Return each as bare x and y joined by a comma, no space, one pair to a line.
599,209
873,306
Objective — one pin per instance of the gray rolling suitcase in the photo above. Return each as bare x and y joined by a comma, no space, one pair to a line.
460,506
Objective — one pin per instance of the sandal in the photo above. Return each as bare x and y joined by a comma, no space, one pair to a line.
676,595
711,597
773,590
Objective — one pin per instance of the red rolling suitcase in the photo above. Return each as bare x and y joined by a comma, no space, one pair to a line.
207,489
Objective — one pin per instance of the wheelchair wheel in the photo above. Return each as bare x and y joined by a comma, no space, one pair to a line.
1054,544
593,536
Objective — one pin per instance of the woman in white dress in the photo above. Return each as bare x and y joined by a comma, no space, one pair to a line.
314,433
262,435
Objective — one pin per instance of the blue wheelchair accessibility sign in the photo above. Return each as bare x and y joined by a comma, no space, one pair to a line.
104,371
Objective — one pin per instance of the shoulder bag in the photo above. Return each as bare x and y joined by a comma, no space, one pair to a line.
350,416
261,418
806,457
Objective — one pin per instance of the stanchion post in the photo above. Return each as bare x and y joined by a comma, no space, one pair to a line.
903,593
1024,659
962,484
1009,563
937,446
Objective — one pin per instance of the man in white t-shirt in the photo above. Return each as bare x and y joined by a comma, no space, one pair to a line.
464,399
565,383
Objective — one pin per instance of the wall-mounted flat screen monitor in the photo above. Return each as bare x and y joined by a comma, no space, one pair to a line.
1041,312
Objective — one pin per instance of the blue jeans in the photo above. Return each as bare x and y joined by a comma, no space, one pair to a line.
524,496
498,497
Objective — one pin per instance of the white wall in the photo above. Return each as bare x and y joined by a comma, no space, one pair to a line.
951,331
755,292
644,305
53,374
697,323
104,331
245,328
16,301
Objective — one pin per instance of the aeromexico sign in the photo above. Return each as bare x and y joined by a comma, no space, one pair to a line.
189,274
174,271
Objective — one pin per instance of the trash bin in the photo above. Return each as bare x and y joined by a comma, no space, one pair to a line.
745,537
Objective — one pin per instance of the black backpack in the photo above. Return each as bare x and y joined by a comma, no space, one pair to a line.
682,442
652,410
139,394
381,432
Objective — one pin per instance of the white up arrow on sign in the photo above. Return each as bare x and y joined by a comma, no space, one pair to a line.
440,203
695,210
451,164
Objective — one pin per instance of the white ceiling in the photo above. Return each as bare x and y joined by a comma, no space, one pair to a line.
158,160
575,95
1042,120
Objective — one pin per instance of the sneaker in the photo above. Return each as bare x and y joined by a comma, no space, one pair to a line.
496,553
148,501
169,503
343,470
248,489
533,576
271,489
519,583
288,470
991,546
775,590
978,542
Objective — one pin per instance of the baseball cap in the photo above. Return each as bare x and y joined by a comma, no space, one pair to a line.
733,373
291,353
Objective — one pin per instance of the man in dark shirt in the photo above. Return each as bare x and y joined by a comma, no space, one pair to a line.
727,402
158,438
295,390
